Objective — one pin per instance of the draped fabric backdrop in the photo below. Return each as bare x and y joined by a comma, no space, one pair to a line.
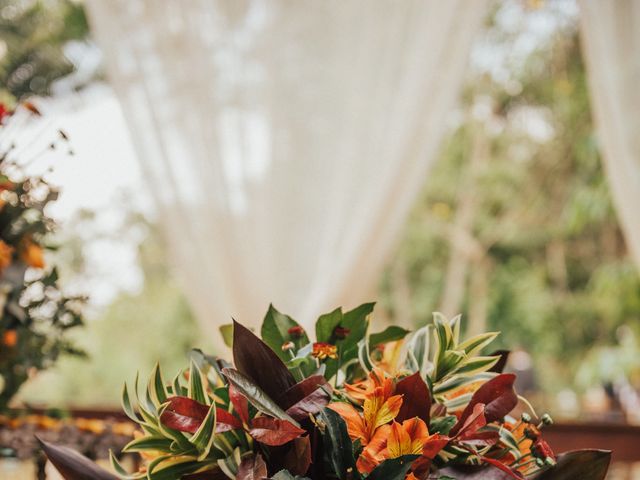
284,141
610,32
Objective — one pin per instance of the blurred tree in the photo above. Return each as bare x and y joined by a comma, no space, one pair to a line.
33,34
133,333
516,228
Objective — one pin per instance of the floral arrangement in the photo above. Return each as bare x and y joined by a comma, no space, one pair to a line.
351,405
35,314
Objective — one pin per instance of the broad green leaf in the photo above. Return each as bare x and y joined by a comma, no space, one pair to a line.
275,332
338,445
326,324
389,334
226,331
393,469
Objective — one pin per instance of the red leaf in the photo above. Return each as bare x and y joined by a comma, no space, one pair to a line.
300,390
252,467
504,358
501,466
298,457
416,400
255,360
225,421
239,402
273,431
311,404
183,414
186,415
498,397
472,423
433,446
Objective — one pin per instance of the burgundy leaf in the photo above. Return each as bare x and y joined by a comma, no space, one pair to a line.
501,466
186,415
298,456
72,465
497,395
300,390
273,431
214,474
310,405
472,423
255,360
225,421
579,464
183,414
416,400
485,472
252,467
239,402
504,358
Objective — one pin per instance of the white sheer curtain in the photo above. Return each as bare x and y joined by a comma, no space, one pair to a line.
284,141
610,32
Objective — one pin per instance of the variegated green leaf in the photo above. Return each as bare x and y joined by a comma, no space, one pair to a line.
121,471
156,443
196,387
476,365
477,343
203,438
156,387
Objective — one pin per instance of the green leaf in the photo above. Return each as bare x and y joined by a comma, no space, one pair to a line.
196,387
442,425
338,446
477,343
389,334
275,332
157,387
476,365
203,438
226,331
127,406
256,395
172,468
161,444
122,472
393,469
326,324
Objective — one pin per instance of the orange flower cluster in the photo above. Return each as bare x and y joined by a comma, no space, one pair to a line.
322,350
377,430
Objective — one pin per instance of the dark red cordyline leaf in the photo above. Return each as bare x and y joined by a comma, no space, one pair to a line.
183,414
501,466
255,360
297,459
310,405
579,464
252,467
471,424
416,399
300,390
186,415
240,403
273,431
497,395
72,465
225,421
504,358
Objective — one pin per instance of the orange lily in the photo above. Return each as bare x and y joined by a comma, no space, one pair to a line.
380,407
392,441
362,390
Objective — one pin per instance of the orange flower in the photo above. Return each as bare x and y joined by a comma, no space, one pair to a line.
6,255
380,407
361,390
322,350
31,253
10,338
395,440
